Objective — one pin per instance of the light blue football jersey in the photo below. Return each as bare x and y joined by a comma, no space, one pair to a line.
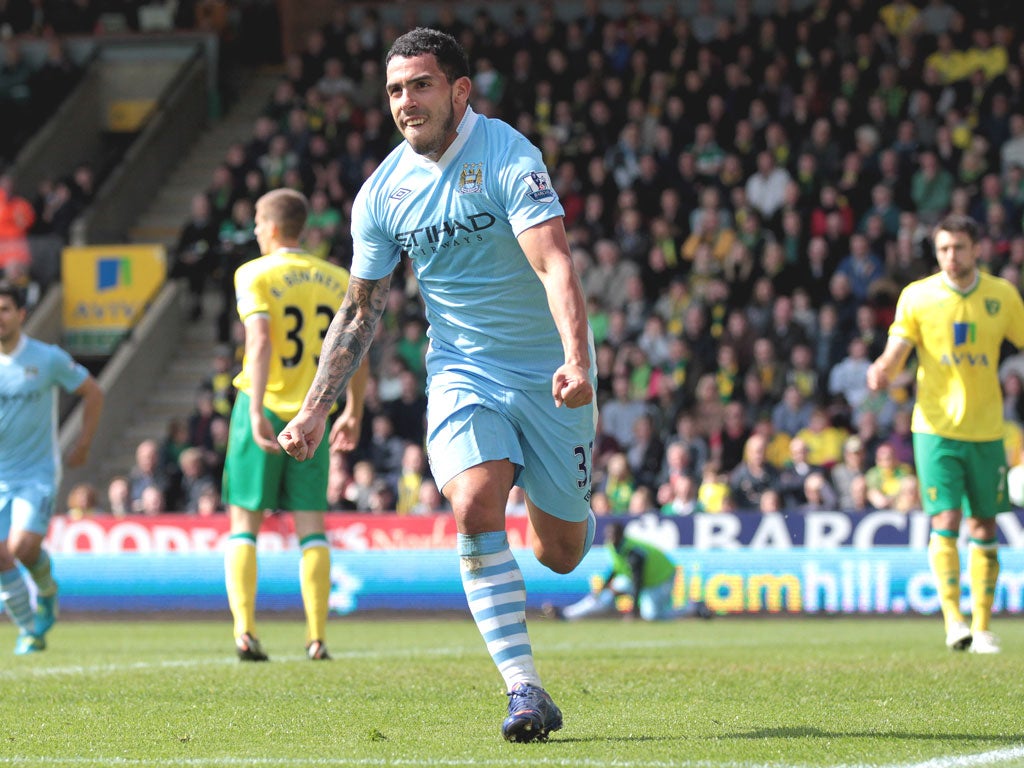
457,220
29,377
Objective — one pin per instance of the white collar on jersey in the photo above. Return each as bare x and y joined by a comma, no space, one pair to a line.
22,341
464,130
964,291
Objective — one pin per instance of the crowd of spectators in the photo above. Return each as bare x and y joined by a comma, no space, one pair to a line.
744,194
37,74
31,91
29,95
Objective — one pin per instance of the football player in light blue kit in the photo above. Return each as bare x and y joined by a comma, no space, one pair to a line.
30,372
510,373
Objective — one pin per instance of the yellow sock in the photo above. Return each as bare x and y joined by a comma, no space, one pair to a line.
944,559
240,578
983,564
315,581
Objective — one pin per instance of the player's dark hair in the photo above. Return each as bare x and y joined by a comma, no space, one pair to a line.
958,223
288,209
13,292
451,58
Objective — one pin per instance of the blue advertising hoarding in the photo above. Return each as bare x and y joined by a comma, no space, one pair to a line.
818,564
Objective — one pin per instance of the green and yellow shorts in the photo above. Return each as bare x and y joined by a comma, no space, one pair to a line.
257,481
957,474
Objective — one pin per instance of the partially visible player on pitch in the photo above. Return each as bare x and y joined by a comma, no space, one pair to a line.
957,320
30,374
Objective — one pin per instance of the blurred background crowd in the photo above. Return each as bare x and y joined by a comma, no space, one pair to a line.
745,193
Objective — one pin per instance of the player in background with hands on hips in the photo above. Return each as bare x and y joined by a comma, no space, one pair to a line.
30,373
956,320
510,377
286,300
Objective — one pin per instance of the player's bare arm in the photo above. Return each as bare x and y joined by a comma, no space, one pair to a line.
348,338
547,250
257,352
345,432
889,363
92,406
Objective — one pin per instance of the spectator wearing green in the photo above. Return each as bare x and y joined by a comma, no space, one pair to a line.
931,188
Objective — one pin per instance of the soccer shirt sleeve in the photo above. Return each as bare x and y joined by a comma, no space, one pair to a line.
251,299
1015,328
374,255
905,324
527,192
66,372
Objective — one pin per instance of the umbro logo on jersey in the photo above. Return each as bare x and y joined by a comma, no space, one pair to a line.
399,193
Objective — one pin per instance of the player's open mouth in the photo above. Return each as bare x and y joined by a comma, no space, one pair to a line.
415,122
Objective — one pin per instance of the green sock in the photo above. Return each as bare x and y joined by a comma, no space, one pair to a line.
42,575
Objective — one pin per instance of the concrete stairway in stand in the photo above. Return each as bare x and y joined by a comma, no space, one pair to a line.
161,223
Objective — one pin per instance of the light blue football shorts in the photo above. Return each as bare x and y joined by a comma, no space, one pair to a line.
26,507
471,420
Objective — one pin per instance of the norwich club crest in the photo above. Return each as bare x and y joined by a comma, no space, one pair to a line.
471,179
992,306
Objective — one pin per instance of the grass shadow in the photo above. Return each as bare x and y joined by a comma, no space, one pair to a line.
805,732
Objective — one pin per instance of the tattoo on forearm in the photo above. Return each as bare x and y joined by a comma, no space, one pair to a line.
348,338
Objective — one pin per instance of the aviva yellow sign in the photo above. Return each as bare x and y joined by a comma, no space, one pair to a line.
106,290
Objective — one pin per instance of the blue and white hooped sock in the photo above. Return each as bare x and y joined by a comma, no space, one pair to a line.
496,593
16,600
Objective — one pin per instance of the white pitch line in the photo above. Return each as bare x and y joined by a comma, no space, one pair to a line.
989,759
17,672
14,673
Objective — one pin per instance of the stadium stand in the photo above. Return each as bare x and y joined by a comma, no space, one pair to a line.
778,165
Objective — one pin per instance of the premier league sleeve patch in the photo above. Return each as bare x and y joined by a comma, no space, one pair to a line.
539,183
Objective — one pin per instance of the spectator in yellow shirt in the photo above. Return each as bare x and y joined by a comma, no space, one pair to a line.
951,64
899,17
885,479
713,493
824,441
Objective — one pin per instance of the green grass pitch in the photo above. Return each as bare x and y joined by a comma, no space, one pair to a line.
728,693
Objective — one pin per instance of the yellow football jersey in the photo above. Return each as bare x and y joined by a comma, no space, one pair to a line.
299,294
958,337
